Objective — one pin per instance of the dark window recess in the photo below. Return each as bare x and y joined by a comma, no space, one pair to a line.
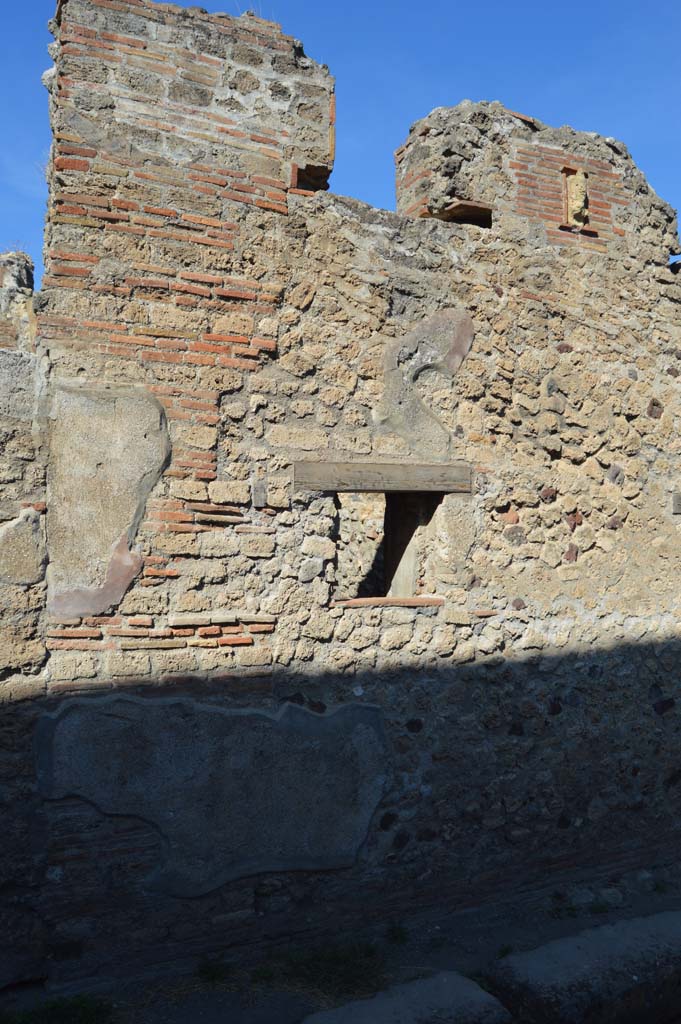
406,517
310,178
465,211
381,542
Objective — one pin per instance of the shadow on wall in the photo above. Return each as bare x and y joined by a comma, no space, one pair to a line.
380,542
231,810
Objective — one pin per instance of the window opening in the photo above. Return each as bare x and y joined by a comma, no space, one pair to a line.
382,543
383,522
310,178
464,211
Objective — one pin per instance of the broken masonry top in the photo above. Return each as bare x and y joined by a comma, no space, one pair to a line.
479,164
234,82
192,12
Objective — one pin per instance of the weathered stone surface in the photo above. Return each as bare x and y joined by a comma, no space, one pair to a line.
257,546
229,491
16,279
624,973
232,793
446,998
108,449
22,549
197,619
16,306
17,384
319,547
310,568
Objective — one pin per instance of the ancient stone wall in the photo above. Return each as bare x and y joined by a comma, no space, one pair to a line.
178,137
22,481
261,704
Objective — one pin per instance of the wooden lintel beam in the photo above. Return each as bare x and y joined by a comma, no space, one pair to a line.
444,478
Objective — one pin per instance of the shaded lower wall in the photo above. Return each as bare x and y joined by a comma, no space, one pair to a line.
150,826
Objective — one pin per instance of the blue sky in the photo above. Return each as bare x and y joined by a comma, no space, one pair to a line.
610,66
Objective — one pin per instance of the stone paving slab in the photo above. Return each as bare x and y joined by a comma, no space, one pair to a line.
628,972
446,998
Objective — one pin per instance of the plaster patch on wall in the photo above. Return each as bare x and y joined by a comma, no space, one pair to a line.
232,793
439,343
108,449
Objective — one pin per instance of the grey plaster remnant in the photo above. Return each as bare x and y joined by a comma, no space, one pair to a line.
629,973
439,343
446,998
231,793
17,384
22,549
108,449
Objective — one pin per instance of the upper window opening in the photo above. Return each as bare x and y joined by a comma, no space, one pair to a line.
310,178
465,211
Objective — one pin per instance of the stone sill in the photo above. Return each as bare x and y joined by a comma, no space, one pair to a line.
573,229
390,602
